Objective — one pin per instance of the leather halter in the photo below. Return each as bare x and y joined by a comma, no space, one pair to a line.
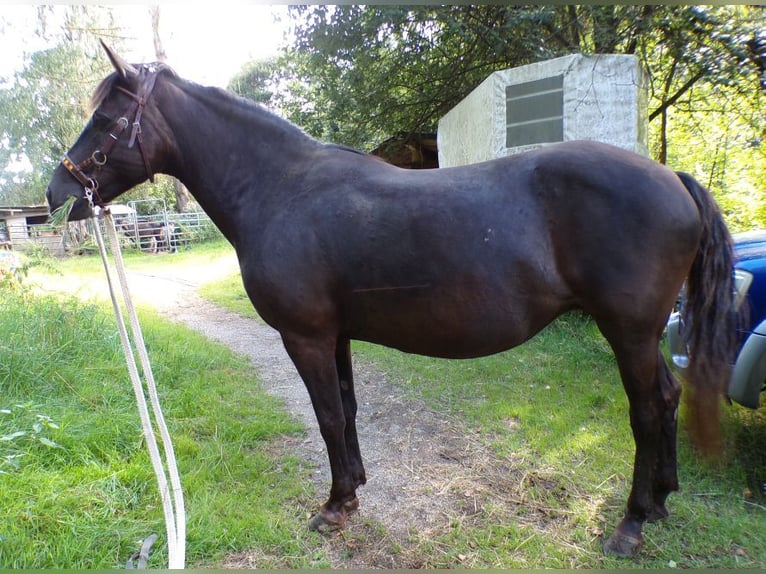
100,156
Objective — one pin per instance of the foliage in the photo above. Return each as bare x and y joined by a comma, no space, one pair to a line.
13,277
202,233
44,106
22,428
715,138
359,72
254,81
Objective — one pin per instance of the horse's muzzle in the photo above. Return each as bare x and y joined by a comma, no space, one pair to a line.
80,208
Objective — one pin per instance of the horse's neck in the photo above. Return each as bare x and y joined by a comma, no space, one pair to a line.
229,154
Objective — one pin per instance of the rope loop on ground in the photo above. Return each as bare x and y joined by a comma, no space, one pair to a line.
142,555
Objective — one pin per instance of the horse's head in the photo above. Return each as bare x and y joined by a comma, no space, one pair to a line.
121,145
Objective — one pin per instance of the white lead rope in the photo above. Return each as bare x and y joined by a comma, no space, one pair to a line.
173,506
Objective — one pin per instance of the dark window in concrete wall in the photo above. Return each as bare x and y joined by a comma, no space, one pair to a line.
534,112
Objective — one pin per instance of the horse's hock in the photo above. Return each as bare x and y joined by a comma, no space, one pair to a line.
599,97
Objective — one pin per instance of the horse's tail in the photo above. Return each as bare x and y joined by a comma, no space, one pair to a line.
709,319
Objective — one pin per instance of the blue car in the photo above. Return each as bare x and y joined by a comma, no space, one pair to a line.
749,374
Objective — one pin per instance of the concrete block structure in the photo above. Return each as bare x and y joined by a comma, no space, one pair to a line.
596,97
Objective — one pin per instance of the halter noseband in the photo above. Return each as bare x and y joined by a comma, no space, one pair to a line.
100,156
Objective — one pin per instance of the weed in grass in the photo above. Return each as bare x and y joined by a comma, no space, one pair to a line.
22,430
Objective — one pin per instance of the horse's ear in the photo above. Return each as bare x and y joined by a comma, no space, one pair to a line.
122,67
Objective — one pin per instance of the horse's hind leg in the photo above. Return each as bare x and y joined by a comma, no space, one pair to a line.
315,361
348,398
666,478
637,358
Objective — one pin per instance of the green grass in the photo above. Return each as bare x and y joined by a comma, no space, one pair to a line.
229,293
555,409
78,490
90,264
552,410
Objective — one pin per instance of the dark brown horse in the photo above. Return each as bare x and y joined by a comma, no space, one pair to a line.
151,236
147,235
336,245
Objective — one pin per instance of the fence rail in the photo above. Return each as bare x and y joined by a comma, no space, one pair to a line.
151,233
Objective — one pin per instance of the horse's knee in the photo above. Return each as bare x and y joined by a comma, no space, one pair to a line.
332,426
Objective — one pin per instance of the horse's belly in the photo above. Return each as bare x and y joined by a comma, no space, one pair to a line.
463,347
454,327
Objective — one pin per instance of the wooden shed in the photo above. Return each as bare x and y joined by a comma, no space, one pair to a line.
409,150
22,227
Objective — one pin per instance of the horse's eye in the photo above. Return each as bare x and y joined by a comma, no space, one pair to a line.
101,121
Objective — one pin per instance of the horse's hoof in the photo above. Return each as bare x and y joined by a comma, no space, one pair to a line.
351,505
623,545
658,513
327,521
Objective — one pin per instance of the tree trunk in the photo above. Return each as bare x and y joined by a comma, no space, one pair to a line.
183,197
663,112
182,194
663,158
159,50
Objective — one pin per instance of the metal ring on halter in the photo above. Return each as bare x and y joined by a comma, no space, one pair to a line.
98,157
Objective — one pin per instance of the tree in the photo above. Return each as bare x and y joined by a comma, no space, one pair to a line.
360,73
254,81
44,106
182,195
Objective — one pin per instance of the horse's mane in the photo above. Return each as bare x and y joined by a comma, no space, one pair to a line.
242,107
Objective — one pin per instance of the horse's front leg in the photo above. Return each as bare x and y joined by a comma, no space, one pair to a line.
315,360
348,398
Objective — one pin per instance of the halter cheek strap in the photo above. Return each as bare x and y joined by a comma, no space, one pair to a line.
136,134
99,157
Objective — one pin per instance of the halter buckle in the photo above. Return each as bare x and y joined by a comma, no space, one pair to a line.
136,132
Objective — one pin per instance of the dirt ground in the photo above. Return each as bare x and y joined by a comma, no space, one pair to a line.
425,471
